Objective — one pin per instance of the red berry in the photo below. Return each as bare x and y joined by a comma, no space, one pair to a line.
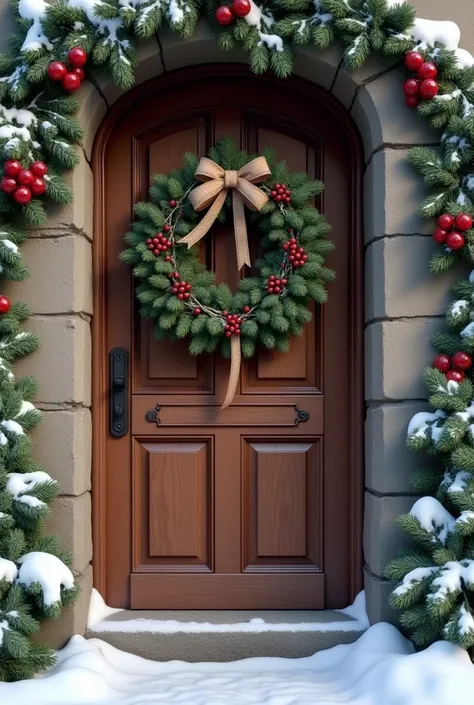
241,8
188,287
439,236
428,89
39,169
237,332
12,168
8,185
414,60
455,375
410,87
172,203
463,221
181,296
77,57
412,101
71,82
228,334
37,186
176,275
166,228
277,186
22,195
273,194
57,70
167,258
461,360
277,290
455,240
292,241
224,16
278,198
427,70
246,309
79,73
284,281
197,311
442,363
224,313
5,304
270,290
186,296
156,241
156,252
25,177
446,221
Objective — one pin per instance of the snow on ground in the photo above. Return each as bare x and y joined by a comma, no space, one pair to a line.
381,667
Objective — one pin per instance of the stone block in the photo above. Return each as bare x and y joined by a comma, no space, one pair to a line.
383,538
317,66
91,113
71,520
62,364
392,195
79,212
7,23
60,278
396,353
383,118
62,442
377,594
388,462
348,81
201,48
398,282
57,632
149,65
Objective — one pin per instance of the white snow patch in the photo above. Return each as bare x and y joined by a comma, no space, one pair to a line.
451,579
424,420
25,407
380,667
47,570
19,484
468,331
257,18
459,482
98,610
412,578
35,38
458,307
10,246
8,570
465,621
358,610
4,626
433,518
13,427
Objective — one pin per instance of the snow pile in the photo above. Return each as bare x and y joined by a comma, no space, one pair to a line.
380,667
47,570
98,610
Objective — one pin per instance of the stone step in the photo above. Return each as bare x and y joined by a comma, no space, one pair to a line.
226,635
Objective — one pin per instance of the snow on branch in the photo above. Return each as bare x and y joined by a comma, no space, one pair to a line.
450,580
47,570
20,484
433,518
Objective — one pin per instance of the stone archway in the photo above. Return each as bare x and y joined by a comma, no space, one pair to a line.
402,303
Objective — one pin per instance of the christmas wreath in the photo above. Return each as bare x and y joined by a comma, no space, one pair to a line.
182,296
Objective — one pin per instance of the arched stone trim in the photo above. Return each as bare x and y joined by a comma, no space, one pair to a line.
402,304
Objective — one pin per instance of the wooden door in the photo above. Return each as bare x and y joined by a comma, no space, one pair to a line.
256,506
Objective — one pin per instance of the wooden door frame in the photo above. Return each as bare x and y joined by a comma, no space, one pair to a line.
323,100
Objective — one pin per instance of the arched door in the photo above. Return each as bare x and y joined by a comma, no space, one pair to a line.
245,508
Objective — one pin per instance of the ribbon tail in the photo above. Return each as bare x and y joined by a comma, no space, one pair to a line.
235,361
206,223
240,230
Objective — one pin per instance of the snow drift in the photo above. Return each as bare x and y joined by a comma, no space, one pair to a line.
381,667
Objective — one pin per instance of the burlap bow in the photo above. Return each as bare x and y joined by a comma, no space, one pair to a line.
214,190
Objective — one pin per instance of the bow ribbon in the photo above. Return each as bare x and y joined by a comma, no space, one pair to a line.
214,190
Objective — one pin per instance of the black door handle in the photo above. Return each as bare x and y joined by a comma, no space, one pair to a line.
118,392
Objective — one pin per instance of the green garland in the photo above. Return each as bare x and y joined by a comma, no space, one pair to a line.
38,130
181,295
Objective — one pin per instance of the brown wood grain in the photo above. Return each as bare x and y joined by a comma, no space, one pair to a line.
244,508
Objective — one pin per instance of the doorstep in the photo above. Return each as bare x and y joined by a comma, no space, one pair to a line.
225,635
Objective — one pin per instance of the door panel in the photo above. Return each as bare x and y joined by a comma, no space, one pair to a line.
237,508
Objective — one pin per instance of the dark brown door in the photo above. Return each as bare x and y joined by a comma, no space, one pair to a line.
254,506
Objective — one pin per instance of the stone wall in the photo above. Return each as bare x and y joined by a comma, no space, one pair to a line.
403,303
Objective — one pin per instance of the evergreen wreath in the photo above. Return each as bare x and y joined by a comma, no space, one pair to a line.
55,46
181,295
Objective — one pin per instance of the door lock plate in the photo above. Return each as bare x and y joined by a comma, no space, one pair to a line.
118,392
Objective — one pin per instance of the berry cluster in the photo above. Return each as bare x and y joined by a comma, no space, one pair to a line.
5,304
232,327
225,15
450,230
181,289
275,285
22,183
296,255
159,244
281,193
424,86
453,367
71,78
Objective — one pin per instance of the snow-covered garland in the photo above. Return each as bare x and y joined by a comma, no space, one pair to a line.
56,45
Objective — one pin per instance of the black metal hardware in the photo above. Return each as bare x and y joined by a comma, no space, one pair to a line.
302,416
152,415
118,401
